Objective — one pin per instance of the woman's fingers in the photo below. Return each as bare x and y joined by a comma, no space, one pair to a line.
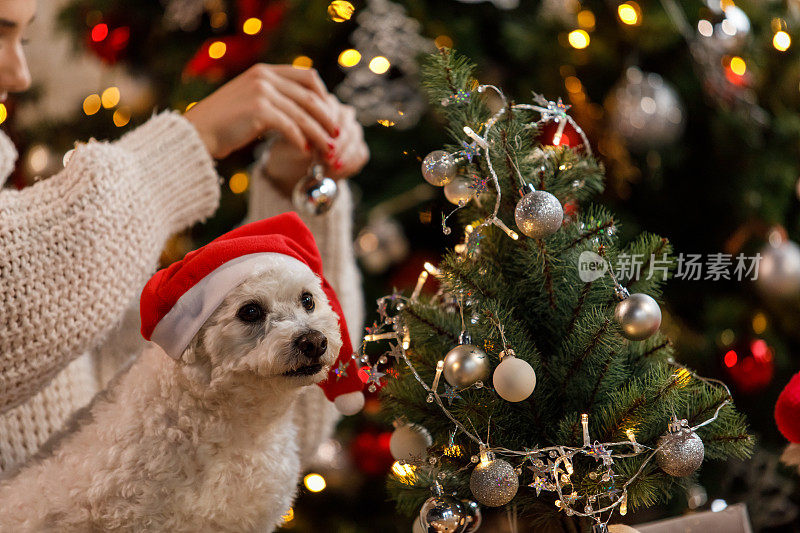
309,78
310,101
312,130
276,119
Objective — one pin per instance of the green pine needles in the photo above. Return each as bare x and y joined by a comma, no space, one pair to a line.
563,327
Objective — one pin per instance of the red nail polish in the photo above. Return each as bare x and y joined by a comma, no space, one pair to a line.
330,146
336,132
337,165
308,146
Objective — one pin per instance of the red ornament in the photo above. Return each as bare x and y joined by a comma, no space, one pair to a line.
787,410
750,365
569,137
370,452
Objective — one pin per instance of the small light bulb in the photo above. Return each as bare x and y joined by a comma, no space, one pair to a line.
217,49
781,41
314,482
578,39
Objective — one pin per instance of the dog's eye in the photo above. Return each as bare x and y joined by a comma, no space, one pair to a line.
250,313
307,301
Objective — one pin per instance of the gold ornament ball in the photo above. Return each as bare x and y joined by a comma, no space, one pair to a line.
494,482
639,316
459,191
439,168
539,214
465,364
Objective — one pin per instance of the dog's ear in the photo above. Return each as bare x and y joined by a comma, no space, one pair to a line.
194,362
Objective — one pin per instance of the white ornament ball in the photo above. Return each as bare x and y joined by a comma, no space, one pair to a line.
459,191
645,110
350,403
539,214
514,379
639,316
494,482
465,364
779,270
410,442
439,168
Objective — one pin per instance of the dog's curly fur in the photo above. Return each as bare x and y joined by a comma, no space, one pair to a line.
205,443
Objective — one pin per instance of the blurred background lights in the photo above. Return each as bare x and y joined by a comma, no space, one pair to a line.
38,158
629,13
239,182
578,39
110,97
92,104
99,32
379,64
705,28
3,113
738,66
217,49
586,20
718,505
349,58
252,26
781,41
121,117
443,41
302,62
340,10
314,482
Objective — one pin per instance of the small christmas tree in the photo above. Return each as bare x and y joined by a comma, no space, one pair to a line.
535,364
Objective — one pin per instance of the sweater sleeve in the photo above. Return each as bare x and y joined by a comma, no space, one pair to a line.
315,416
8,157
75,249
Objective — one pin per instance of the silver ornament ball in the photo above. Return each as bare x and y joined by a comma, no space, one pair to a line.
680,450
539,214
410,442
645,110
442,514
494,482
639,316
315,193
474,516
439,168
779,270
459,191
465,364
514,379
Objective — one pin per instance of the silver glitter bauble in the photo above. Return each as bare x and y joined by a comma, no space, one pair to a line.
439,168
494,482
459,191
538,214
514,379
680,450
474,516
442,513
639,316
410,442
315,193
779,270
645,110
465,364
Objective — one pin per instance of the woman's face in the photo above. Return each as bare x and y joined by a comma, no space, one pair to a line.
15,17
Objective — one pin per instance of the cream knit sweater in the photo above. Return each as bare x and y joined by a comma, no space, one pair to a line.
75,251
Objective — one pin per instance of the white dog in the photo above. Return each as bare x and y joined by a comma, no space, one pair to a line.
204,443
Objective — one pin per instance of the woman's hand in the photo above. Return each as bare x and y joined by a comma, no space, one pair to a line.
286,164
281,98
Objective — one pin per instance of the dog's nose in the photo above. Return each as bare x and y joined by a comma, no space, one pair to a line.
312,344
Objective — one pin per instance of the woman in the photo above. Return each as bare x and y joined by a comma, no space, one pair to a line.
76,249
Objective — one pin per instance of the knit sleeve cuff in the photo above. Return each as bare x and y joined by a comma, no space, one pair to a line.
175,165
8,157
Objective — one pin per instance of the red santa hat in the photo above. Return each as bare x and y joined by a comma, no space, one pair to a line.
178,300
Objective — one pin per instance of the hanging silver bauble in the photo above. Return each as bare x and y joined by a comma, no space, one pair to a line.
493,482
680,450
779,270
465,364
315,193
474,516
459,191
442,513
410,442
439,168
538,214
513,379
645,110
639,316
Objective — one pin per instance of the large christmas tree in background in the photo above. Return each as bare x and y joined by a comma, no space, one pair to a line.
690,106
